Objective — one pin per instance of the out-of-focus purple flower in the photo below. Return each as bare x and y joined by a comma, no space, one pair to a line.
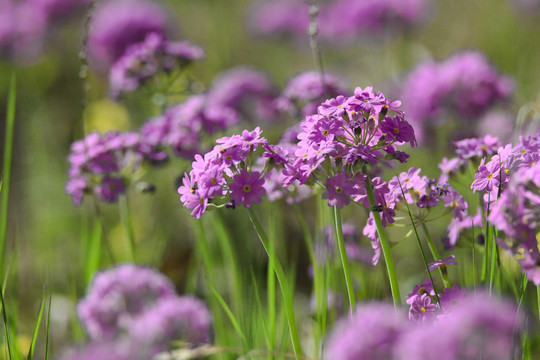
101,164
372,333
22,29
116,25
281,16
448,261
246,90
477,327
306,91
58,8
121,349
183,318
339,21
451,297
464,86
117,296
144,60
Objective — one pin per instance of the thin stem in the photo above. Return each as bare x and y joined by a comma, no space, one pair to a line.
125,216
344,262
385,246
435,253
420,246
6,171
312,31
287,298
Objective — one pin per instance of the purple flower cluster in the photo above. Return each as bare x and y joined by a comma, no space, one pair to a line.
117,25
511,181
129,38
99,164
134,303
24,25
464,85
345,134
339,20
475,327
144,60
223,175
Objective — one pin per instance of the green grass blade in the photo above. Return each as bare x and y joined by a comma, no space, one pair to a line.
36,330
8,156
6,326
93,253
228,311
47,331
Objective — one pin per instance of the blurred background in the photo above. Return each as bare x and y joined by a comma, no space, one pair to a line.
55,92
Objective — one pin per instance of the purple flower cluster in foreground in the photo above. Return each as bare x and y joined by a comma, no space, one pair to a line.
335,144
339,20
136,308
474,327
465,85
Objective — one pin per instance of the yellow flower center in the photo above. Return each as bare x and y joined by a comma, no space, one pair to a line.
247,188
325,132
339,189
490,176
213,181
423,309
454,204
396,131
506,171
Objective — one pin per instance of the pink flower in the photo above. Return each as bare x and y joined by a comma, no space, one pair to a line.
247,188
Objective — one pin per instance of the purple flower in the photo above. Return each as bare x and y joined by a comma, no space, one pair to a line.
307,91
110,188
338,190
183,318
247,188
477,327
422,309
421,289
101,164
451,297
464,86
442,263
22,30
372,333
116,25
245,90
487,176
117,296
427,201
399,129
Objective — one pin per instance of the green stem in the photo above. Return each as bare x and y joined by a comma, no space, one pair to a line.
494,256
435,253
125,216
318,280
385,246
538,299
287,296
6,171
344,262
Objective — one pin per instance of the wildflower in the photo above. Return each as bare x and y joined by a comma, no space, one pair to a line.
442,263
421,289
422,309
338,190
117,25
117,296
451,297
477,327
247,188
487,176
372,333
397,128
